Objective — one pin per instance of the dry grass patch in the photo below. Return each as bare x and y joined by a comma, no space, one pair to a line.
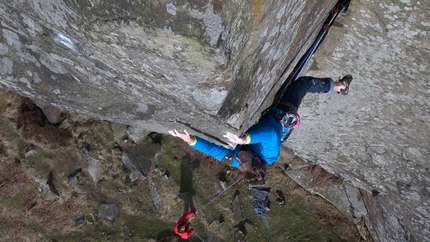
322,177
12,175
3,149
36,127
19,189
53,215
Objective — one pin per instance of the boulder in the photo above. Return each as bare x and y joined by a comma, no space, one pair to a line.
158,203
119,130
53,114
94,167
136,134
239,236
138,158
51,184
236,209
108,211
30,150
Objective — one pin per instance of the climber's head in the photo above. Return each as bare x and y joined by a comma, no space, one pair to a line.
182,228
245,158
291,119
253,169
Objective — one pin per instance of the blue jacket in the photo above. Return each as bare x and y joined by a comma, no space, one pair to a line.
265,143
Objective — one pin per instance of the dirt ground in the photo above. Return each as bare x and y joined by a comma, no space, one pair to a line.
35,153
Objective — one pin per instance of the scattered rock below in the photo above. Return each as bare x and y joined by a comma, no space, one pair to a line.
108,211
235,208
50,183
239,236
83,189
73,179
119,130
94,167
30,150
136,134
53,114
156,197
138,159
248,226
65,124
42,186
79,221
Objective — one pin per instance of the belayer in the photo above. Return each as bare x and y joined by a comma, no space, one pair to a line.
183,226
260,146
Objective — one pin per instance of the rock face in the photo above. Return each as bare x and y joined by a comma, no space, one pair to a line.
214,65
150,63
377,137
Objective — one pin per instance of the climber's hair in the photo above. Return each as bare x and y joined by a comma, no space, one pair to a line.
257,174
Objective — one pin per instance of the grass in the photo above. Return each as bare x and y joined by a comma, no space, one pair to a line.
29,215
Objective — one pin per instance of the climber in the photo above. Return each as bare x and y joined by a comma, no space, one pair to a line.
260,146
182,227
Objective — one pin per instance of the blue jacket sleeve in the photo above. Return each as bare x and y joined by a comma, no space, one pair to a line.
216,151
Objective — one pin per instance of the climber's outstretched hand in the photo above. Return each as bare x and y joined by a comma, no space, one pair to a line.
185,136
234,138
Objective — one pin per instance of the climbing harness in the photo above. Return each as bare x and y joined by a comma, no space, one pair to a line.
261,205
290,120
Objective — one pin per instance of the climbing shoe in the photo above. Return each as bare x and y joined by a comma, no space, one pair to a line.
346,81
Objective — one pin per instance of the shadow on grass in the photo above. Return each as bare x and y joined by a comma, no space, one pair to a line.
167,236
186,189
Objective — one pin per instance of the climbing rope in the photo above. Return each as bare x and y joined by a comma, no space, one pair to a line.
238,180
199,236
266,222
